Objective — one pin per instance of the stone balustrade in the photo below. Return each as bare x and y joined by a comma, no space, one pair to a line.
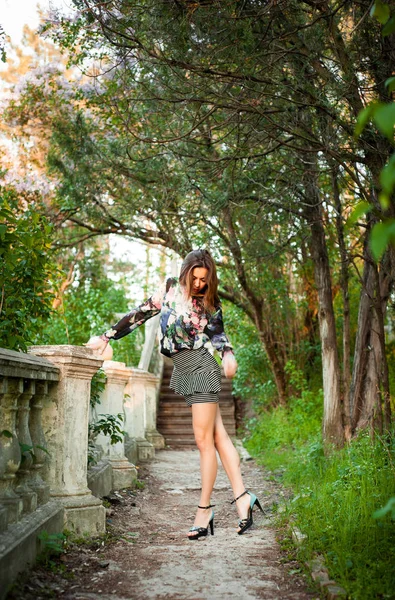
140,405
45,484
123,472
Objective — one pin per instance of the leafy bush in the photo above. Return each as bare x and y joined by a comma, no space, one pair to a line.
110,425
336,504
253,382
26,269
342,501
277,432
90,306
52,545
98,383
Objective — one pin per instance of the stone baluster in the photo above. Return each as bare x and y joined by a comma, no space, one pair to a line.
135,415
10,454
29,497
151,433
65,425
40,457
111,402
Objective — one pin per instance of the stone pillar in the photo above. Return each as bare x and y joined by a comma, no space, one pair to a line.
41,458
65,425
10,454
111,402
151,329
151,433
22,488
135,414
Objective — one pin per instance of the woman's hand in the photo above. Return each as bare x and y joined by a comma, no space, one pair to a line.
97,343
229,364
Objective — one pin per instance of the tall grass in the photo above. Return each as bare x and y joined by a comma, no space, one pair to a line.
334,496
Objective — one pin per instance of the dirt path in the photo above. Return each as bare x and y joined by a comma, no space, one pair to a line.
150,557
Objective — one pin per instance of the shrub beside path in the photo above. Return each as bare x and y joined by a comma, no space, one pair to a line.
149,556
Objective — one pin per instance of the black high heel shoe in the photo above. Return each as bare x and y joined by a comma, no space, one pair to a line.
203,531
245,524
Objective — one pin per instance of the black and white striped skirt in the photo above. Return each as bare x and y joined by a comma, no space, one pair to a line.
196,376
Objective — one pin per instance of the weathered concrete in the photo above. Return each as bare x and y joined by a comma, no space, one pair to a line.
10,453
111,402
18,364
131,449
135,413
65,423
19,545
100,480
151,330
151,391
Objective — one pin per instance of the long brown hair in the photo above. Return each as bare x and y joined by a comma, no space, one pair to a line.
203,259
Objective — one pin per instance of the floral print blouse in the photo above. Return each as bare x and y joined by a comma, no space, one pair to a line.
184,322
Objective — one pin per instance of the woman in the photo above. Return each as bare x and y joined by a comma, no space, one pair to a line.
191,322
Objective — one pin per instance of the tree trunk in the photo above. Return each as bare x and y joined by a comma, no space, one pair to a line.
256,311
383,285
362,342
369,391
344,278
368,411
332,427
276,364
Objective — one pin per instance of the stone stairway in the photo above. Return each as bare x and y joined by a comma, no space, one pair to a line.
174,419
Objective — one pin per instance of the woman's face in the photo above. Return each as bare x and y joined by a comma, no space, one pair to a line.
199,279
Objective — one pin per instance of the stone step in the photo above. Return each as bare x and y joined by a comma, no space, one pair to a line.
186,428
176,443
177,435
186,425
180,435
177,431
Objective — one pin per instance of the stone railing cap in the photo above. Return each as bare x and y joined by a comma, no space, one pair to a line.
113,364
77,360
28,366
64,350
141,374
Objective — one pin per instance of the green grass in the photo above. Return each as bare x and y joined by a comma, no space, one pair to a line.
335,495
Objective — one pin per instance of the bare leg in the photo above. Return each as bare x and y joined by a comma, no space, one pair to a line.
231,462
203,419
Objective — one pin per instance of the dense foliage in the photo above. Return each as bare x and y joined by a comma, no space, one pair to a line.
27,269
337,500
91,304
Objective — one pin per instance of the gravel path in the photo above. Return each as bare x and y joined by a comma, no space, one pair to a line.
150,557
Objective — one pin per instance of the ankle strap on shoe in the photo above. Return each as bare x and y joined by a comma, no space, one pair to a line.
243,494
209,506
